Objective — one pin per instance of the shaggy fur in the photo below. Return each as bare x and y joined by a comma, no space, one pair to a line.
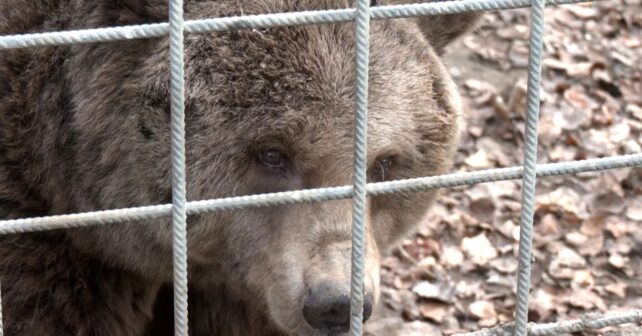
86,127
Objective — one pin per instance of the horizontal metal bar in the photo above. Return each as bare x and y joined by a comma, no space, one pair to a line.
588,322
260,21
313,195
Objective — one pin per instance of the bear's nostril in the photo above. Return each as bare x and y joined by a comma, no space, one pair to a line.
327,309
367,307
328,316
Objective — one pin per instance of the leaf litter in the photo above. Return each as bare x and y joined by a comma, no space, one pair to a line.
458,273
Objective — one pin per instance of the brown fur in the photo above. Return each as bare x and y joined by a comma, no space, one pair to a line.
86,127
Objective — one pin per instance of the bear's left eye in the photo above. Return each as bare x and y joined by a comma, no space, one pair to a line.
382,168
272,158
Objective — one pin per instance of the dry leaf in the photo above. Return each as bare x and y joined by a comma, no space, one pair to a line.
619,132
467,289
479,160
597,142
617,288
582,12
592,226
433,311
565,18
618,227
542,303
618,261
608,202
550,129
501,281
569,117
585,299
479,249
513,32
496,152
580,69
634,209
634,110
578,100
565,199
505,265
483,209
443,291
388,326
575,238
569,258
451,256
548,225
419,328
583,278
485,312
592,246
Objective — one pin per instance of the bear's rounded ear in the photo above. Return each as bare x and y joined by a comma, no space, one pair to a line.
440,30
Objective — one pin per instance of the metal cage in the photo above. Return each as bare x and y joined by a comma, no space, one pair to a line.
362,14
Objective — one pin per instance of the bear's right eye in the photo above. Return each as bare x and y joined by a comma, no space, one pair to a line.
272,158
382,169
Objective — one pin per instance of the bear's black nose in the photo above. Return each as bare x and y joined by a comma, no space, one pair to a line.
327,308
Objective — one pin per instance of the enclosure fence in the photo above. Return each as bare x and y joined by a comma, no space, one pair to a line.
180,208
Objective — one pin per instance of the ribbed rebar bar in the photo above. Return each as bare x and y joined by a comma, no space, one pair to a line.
261,21
13,226
180,208
587,322
529,177
359,202
1,326
179,199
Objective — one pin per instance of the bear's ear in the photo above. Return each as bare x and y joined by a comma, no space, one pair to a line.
440,30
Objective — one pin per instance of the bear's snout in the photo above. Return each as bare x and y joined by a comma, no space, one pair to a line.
327,308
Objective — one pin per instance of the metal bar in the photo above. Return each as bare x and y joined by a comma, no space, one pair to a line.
260,21
312,195
359,202
529,177
1,326
179,199
588,322
176,27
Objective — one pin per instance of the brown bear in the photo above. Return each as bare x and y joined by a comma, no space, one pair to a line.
86,127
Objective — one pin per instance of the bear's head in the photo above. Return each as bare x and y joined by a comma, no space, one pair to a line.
267,110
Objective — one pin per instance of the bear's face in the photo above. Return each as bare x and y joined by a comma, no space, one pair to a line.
267,110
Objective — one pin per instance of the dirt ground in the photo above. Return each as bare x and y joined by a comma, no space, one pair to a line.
458,273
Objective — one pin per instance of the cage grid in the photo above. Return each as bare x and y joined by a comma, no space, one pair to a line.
180,208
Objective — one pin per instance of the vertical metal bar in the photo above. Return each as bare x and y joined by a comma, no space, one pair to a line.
359,204
1,326
179,215
530,162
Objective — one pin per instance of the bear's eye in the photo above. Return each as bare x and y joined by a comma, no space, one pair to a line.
272,158
373,2
382,168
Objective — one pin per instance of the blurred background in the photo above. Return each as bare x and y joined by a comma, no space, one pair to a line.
459,272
